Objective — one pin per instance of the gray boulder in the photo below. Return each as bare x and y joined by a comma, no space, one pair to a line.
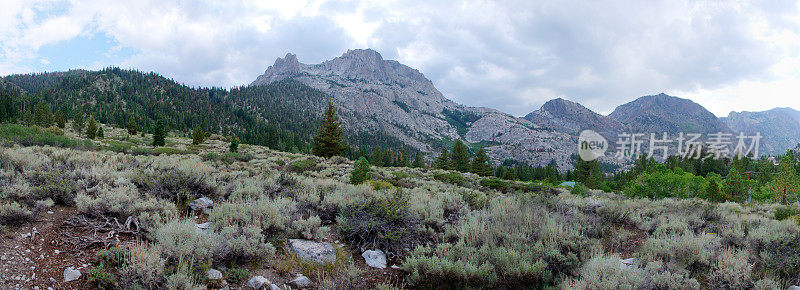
257,282
204,228
310,251
375,259
201,204
70,274
213,274
274,287
300,282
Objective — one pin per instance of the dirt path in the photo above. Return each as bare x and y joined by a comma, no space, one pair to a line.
35,256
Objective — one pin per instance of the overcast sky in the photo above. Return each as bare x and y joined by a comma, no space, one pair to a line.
508,55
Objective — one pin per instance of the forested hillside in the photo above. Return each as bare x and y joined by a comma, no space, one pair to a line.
283,115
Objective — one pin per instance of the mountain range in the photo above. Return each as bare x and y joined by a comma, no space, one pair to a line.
381,103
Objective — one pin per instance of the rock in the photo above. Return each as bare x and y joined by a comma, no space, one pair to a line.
204,228
213,274
257,282
396,267
300,282
793,287
274,287
310,251
201,204
71,274
375,259
628,261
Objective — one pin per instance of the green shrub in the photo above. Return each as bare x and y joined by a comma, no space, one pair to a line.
32,136
55,185
495,184
382,222
114,257
361,171
12,213
381,185
101,278
303,165
237,275
453,178
579,190
784,212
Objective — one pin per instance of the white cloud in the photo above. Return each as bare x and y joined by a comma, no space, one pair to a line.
510,55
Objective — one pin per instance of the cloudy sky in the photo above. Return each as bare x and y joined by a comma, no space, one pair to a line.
508,55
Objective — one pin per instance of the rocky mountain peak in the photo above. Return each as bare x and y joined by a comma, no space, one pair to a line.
285,67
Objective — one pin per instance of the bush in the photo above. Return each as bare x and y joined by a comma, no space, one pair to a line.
382,222
361,171
32,136
54,185
784,212
495,184
303,165
237,275
381,185
114,258
732,271
101,278
13,213
453,178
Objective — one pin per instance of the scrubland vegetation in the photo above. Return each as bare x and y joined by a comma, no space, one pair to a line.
444,229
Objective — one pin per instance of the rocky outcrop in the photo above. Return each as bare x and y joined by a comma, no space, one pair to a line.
663,113
571,117
310,251
377,95
779,128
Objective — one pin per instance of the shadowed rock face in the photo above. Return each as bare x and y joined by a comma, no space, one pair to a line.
663,113
571,117
779,128
377,95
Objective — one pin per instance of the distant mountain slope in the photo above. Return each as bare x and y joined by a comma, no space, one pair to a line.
663,113
571,117
376,95
779,128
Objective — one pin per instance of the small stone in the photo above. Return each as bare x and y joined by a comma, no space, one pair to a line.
310,251
213,274
396,267
375,259
201,204
71,274
274,287
300,282
257,282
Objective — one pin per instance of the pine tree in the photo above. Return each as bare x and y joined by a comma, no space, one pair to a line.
480,164
786,183
131,126
91,129
234,145
361,171
59,119
418,161
100,133
39,115
159,134
329,140
459,158
78,121
443,161
27,117
8,107
198,136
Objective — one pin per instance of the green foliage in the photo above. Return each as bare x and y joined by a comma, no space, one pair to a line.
453,178
480,164
303,165
786,185
443,160
361,171
114,257
101,278
31,136
78,121
459,158
418,161
198,136
382,222
237,276
234,147
495,184
667,183
91,129
784,212
131,126
329,141
59,119
55,185
159,134
100,133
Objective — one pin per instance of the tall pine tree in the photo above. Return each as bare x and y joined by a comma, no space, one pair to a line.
78,121
443,161
159,134
329,140
459,157
418,161
91,129
480,164
786,184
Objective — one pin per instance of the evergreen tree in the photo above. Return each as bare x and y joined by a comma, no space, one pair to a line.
78,121
459,157
100,133
329,140
378,158
443,161
39,115
361,171
234,145
713,192
589,173
735,187
480,164
27,117
131,126
8,107
159,134
198,136
418,161
59,119
786,184
91,129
